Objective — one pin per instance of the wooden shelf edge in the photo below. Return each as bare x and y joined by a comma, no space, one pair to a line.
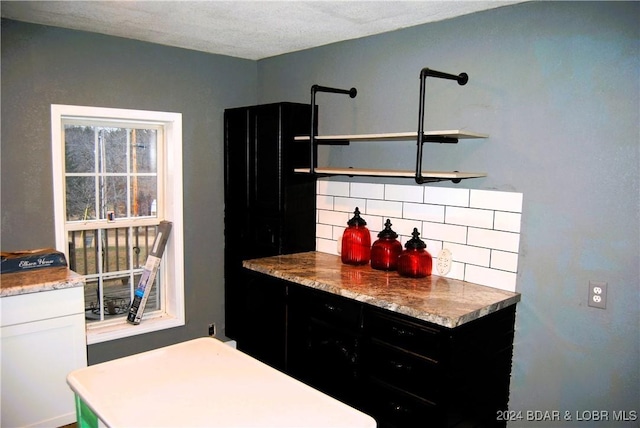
444,175
395,136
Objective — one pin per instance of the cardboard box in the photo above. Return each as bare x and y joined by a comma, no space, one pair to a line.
23,261
141,293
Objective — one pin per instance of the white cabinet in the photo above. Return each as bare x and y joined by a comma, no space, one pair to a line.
42,340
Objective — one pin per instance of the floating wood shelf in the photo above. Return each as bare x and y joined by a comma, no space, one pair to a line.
421,137
395,136
366,172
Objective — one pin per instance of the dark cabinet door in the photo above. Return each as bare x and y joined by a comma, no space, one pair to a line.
263,336
269,209
324,343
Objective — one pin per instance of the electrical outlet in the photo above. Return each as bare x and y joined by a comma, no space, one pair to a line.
212,329
597,294
443,262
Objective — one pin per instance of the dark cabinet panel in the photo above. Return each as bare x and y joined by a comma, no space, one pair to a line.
263,332
269,209
324,342
405,372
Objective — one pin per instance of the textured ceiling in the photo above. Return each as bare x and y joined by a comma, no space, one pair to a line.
244,29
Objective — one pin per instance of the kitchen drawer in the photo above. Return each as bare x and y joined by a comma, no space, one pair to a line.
394,408
399,332
328,308
418,375
31,307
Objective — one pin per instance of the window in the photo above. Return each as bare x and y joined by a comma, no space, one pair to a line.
116,174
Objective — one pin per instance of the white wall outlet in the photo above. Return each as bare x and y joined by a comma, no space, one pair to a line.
443,264
597,294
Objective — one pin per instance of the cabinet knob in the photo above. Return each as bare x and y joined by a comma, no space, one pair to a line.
399,408
400,366
402,332
331,308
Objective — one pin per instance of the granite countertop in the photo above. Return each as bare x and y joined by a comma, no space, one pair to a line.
439,300
37,280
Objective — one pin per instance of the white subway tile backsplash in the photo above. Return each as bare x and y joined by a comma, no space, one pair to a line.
384,208
506,221
333,218
468,254
349,205
338,231
469,217
494,239
444,232
367,190
504,261
493,200
334,188
326,246
446,196
324,231
324,202
433,247
481,228
404,227
405,193
456,272
425,212
374,223
490,277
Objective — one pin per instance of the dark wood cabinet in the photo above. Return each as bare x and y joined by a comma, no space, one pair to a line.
325,342
264,334
405,372
422,374
269,209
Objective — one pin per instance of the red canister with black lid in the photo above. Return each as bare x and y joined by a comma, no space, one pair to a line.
415,261
356,241
386,249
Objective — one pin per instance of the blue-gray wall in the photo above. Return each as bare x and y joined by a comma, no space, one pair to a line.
556,85
45,65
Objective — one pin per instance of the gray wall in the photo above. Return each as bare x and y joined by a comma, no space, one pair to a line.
43,66
556,85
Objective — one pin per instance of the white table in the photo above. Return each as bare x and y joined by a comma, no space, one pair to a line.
203,383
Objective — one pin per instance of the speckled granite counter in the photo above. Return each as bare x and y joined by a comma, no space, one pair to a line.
37,280
443,301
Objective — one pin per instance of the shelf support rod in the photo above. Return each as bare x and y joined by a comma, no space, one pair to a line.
314,126
462,80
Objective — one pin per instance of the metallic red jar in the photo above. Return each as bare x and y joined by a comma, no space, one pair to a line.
415,261
356,241
386,249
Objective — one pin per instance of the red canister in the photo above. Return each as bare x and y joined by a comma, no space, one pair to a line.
386,249
356,241
415,261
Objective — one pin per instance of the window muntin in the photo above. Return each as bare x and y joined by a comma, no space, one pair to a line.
111,174
112,187
110,170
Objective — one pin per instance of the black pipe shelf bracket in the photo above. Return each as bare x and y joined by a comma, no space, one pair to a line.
421,137
462,80
312,135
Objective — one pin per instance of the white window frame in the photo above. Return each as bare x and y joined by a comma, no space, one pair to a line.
173,314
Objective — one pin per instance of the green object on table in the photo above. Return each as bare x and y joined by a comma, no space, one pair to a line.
86,418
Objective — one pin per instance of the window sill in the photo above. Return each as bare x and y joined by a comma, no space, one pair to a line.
121,329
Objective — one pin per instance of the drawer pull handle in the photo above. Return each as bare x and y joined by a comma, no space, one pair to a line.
331,308
402,332
399,408
400,366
